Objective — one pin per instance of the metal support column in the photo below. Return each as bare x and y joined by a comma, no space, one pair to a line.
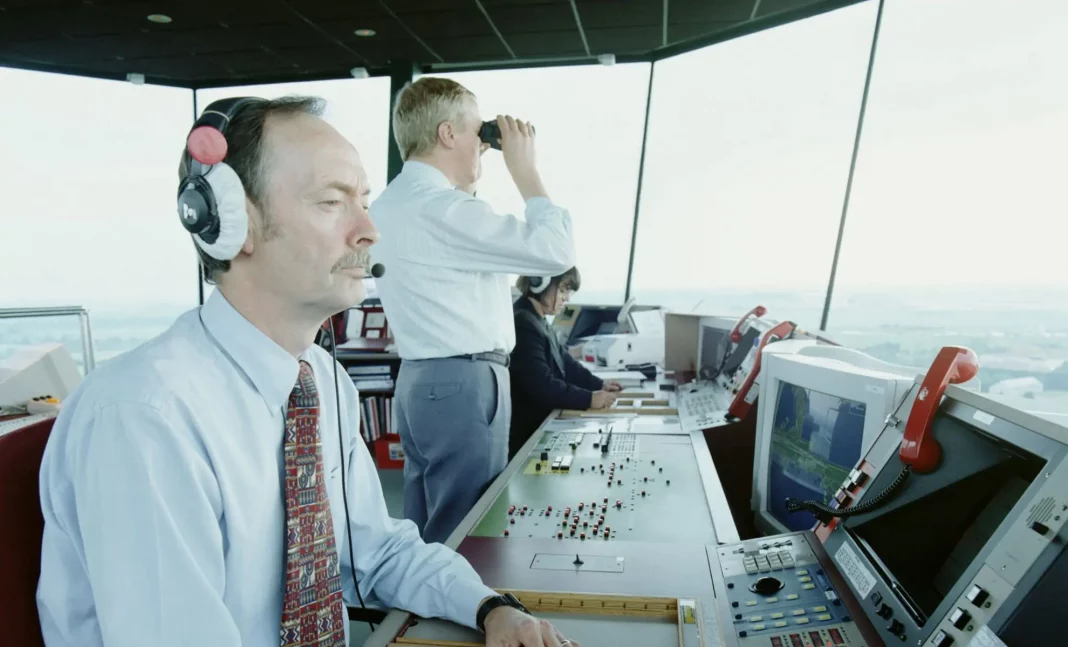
852,166
641,177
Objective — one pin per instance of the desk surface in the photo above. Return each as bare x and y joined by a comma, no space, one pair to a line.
656,544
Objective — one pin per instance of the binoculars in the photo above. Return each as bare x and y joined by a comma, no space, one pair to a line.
490,133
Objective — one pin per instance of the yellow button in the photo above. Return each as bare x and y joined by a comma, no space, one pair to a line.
781,623
751,603
776,616
759,627
819,609
808,587
792,596
798,612
804,579
802,621
771,600
756,618
825,616
802,572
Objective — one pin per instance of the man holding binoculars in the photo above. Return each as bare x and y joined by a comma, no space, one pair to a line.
447,294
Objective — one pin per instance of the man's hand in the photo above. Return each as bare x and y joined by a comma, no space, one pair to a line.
517,146
469,188
512,627
602,400
613,386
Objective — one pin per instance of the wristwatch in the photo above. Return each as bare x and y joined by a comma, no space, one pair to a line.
506,600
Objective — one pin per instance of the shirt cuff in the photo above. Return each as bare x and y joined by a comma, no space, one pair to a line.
465,595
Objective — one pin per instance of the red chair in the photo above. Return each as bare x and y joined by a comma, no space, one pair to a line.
20,545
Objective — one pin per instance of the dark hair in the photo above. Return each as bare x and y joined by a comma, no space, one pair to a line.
245,154
570,279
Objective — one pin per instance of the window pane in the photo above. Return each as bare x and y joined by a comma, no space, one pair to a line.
956,228
589,122
357,108
748,156
89,172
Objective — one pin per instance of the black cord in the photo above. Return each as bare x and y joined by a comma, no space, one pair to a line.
825,514
344,487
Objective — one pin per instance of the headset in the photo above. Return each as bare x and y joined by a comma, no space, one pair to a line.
211,207
211,198
539,284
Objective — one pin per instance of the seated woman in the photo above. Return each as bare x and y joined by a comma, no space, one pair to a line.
544,376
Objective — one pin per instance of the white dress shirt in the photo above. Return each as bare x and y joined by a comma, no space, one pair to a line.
448,255
163,498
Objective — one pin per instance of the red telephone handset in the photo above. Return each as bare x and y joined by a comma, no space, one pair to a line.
736,334
953,365
742,401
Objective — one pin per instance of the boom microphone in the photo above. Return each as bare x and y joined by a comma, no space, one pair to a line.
377,270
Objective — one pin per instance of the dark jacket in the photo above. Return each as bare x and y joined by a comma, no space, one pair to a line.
544,376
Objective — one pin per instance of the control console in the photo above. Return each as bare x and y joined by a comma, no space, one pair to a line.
782,591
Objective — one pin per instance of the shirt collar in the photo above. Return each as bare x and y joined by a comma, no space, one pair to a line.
427,173
272,370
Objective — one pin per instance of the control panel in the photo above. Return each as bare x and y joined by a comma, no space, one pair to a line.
594,479
779,594
702,405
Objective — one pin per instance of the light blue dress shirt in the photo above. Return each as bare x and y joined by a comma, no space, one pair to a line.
448,258
162,494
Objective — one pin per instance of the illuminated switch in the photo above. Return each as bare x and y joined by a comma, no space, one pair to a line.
823,617
808,587
792,596
771,600
960,618
942,639
801,621
819,609
750,603
798,612
804,579
802,571
756,619
780,624
759,627
777,616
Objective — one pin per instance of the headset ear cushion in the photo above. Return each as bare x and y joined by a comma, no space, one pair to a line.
233,216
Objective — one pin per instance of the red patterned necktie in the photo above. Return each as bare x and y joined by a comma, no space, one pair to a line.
312,610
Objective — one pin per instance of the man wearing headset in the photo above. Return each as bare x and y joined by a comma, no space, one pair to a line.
447,295
192,490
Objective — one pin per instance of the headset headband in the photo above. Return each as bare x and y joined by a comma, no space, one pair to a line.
206,141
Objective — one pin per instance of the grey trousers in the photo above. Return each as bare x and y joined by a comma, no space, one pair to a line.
453,417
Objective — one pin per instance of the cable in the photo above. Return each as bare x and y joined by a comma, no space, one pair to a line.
825,514
344,488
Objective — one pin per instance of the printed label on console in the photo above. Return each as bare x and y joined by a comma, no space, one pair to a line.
859,575
986,638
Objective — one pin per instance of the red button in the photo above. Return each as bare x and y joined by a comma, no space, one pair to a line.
548,513
643,492
606,499
582,505
549,509
582,535
512,520
506,533
619,503
560,535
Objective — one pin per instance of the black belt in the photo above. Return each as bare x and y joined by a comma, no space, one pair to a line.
495,356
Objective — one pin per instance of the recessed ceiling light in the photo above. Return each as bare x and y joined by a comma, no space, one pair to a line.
365,33
160,18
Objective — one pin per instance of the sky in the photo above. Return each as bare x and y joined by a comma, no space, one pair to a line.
959,176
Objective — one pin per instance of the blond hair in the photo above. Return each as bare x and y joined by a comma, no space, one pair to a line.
421,107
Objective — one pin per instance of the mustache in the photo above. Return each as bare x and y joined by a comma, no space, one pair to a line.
354,259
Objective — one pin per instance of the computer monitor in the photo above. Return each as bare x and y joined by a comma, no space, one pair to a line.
817,416
35,371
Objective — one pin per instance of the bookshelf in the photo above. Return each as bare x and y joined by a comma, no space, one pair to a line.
367,353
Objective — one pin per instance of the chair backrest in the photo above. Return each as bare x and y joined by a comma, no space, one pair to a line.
20,543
